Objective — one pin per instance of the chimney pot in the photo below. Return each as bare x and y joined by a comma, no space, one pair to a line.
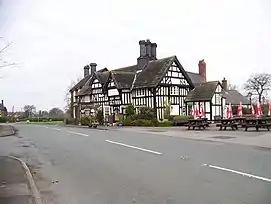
153,51
86,70
93,67
225,84
148,47
142,45
202,69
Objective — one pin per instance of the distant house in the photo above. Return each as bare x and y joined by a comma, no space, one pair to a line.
210,96
150,82
3,109
233,96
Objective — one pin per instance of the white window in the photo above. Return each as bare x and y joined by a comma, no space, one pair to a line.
140,92
174,90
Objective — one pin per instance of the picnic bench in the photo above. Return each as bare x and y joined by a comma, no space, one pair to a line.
229,122
199,123
240,121
257,123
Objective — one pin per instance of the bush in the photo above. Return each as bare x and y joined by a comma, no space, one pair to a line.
165,124
129,110
140,122
11,119
146,113
143,123
100,117
3,119
181,119
85,120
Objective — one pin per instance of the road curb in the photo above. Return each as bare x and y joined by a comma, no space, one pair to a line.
33,188
85,127
13,132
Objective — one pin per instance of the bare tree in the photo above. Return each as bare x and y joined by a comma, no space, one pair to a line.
67,98
232,87
258,85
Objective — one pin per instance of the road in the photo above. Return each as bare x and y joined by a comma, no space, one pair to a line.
76,165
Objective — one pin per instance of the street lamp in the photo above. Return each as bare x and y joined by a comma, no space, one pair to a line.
249,96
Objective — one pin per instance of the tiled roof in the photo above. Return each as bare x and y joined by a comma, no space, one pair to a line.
196,78
235,97
204,92
150,76
83,81
123,80
153,73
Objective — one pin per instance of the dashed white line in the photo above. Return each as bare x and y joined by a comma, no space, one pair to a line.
238,172
56,129
130,146
46,127
78,133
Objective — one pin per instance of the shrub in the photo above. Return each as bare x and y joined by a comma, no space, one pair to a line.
3,119
130,110
143,123
85,120
139,122
100,117
181,119
146,113
165,124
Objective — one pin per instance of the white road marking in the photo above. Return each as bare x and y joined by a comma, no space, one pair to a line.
238,172
78,133
46,127
56,129
138,148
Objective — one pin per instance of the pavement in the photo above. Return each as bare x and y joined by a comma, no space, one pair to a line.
13,183
6,130
79,165
253,138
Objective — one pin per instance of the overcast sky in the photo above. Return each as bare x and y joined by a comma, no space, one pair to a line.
54,39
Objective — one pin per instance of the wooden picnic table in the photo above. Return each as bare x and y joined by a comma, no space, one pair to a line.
257,123
228,122
199,123
240,121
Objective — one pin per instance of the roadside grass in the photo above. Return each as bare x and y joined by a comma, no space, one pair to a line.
47,123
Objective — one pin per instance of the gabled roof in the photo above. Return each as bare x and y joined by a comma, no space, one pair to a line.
102,76
86,79
235,97
152,75
81,83
204,92
196,78
132,68
123,80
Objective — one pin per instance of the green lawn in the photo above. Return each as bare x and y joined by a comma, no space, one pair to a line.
48,123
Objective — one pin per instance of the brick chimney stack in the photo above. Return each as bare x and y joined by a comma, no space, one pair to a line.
93,68
202,69
225,84
86,70
153,51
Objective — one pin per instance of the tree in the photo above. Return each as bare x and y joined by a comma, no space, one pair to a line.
232,87
67,98
43,114
258,85
129,110
56,112
29,110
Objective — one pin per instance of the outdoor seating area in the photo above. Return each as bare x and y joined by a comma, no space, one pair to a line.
255,121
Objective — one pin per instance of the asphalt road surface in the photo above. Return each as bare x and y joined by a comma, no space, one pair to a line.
80,166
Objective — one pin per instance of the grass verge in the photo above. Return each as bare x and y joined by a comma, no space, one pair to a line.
48,123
